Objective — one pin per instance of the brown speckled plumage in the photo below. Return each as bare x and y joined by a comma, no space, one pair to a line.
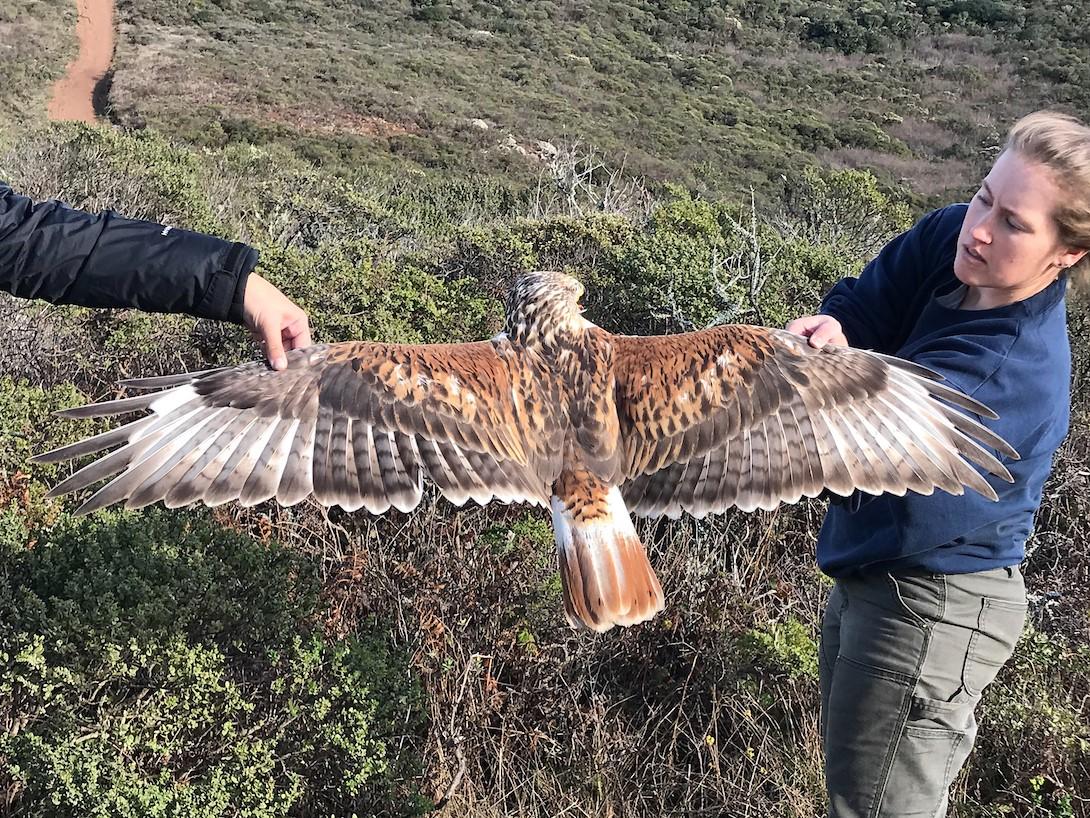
554,411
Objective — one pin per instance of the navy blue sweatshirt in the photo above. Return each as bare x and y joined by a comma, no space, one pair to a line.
1015,359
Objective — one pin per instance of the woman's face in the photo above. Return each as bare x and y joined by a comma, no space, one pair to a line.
1010,242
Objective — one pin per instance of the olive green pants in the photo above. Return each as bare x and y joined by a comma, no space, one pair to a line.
903,661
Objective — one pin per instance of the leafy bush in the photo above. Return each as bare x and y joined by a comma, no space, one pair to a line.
162,664
783,647
141,173
159,665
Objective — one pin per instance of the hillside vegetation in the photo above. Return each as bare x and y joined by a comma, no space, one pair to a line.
273,661
717,96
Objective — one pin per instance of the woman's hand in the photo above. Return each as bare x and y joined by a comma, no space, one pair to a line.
820,330
274,320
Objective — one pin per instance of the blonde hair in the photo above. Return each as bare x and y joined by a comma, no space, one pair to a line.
1062,144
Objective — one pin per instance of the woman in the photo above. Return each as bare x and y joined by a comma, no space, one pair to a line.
68,256
929,600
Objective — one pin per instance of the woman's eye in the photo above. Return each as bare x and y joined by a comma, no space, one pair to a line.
1014,224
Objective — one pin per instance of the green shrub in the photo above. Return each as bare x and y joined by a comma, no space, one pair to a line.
158,664
140,174
350,294
786,647
162,664
1034,745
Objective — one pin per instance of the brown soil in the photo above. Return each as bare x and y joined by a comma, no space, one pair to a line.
73,94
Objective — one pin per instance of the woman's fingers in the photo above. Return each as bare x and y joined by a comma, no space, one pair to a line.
805,325
819,330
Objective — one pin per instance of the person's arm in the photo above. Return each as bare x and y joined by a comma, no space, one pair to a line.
873,309
68,256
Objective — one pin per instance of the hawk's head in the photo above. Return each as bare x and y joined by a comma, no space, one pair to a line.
542,306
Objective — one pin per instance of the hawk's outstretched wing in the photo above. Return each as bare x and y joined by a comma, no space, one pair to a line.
356,424
753,417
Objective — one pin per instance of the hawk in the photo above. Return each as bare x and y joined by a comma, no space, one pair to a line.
553,411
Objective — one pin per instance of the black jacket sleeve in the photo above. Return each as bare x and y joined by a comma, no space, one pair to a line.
66,256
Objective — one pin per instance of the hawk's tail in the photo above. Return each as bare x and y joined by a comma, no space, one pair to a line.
603,565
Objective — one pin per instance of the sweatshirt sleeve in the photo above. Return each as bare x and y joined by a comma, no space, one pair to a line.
67,256
872,308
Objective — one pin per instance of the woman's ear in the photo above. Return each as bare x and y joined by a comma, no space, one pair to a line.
1071,257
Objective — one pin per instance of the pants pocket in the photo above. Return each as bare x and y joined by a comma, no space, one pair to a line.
919,781
921,597
999,624
934,744
866,714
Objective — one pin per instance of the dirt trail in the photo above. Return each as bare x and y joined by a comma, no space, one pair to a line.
73,94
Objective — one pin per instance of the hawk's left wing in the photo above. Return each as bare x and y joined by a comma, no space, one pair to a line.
753,417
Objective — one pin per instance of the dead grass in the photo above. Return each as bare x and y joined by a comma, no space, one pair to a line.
529,718
930,178
158,57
